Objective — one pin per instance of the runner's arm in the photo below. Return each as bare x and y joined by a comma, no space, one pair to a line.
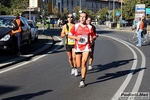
71,34
63,32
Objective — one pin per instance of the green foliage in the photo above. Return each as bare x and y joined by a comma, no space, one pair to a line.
65,13
128,10
102,12
76,10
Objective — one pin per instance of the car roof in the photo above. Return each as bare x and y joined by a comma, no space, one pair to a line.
7,16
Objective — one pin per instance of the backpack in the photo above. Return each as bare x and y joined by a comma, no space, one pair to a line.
14,25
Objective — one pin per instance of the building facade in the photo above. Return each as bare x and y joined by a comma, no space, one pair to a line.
93,5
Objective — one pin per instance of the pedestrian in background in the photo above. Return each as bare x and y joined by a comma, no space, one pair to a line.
53,22
17,33
48,23
145,25
69,44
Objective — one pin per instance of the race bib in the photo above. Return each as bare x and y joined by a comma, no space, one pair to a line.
83,40
70,40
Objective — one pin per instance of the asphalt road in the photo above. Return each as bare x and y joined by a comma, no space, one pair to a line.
118,66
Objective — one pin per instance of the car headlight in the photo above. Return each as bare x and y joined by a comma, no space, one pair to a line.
5,38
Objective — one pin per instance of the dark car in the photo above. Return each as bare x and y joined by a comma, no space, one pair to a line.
6,40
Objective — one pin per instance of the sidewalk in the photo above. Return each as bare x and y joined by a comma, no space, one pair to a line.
127,29
42,44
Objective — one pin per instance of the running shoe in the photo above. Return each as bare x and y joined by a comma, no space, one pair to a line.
82,84
72,71
138,45
90,67
75,72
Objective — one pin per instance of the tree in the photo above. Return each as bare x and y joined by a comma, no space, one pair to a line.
128,9
56,11
65,13
102,12
46,10
76,10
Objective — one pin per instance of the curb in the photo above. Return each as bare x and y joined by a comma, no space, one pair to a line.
120,30
23,57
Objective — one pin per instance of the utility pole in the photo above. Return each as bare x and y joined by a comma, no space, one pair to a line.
43,3
121,12
113,10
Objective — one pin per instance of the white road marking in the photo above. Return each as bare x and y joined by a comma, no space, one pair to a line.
128,78
32,60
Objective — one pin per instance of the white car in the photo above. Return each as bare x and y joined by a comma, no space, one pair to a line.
34,30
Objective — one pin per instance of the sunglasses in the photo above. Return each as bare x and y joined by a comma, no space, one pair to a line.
70,16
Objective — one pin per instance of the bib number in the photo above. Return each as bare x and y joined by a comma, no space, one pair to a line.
83,40
70,40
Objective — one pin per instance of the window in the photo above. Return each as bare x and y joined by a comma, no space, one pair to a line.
78,4
62,2
67,2
72,2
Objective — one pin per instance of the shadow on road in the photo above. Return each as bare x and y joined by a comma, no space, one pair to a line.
7,89
117,74
27,96
113,64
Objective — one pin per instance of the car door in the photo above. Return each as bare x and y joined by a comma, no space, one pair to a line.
25,30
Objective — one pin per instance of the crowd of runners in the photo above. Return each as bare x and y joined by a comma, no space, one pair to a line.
79,42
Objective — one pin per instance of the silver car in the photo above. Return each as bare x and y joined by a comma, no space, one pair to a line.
34,30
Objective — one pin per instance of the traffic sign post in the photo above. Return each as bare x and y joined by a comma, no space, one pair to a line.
147,10
139,10
109,12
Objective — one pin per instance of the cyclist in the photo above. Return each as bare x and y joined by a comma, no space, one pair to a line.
81,32
145,25
69,43
88,21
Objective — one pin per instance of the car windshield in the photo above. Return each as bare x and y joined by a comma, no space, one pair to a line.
30,24
5,22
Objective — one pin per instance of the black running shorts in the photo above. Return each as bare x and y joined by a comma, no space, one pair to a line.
69,47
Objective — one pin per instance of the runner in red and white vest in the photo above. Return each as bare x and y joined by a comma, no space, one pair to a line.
83,35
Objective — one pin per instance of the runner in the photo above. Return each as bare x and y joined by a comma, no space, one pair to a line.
88,21
82,32
69,43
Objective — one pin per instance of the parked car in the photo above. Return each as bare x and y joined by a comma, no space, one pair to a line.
34,29
6,39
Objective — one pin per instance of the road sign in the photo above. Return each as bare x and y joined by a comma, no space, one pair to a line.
139,10
109,16
147,10
117,13
33,3
109,11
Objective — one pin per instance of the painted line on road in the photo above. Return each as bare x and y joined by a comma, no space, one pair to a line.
128,78
32,60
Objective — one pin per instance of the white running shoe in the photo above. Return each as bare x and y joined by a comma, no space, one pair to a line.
75,72
72,71
90,67
82,84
